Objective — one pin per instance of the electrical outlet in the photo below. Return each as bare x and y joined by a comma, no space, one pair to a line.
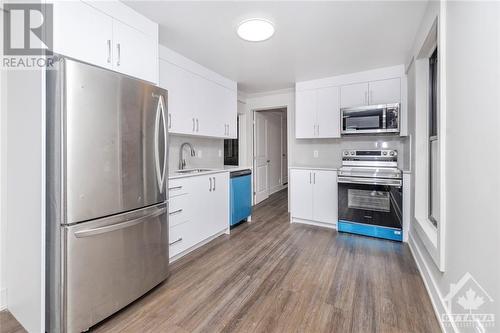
316,154
220,153
199,153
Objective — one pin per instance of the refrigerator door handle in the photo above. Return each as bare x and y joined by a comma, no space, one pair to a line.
118,226
160,115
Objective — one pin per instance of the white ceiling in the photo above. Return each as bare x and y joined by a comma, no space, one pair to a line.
312,39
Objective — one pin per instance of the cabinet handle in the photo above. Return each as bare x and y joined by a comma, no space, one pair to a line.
194,125
314,178
310,178
210,180
109,51
197,125
175,212
175,241
371,97
169,120
119,54
214,183
175,188
318,130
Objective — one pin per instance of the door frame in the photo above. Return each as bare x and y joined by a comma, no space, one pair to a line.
254,138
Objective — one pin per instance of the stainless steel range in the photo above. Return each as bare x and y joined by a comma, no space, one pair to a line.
370,194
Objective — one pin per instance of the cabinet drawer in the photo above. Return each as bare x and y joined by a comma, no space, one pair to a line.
176,187
177,210
179,238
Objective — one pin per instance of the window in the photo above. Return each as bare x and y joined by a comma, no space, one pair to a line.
433,140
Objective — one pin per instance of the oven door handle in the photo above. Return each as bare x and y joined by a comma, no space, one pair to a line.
370,181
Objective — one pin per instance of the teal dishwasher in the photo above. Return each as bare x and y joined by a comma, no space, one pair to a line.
240,195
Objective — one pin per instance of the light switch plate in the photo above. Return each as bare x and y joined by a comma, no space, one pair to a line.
220,153
316,154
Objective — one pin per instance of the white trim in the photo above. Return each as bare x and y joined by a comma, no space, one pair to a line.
269,93
277,189
3,299
437,299
314,223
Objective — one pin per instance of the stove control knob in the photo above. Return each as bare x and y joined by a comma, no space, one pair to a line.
346,153
352,153
391,153
384,153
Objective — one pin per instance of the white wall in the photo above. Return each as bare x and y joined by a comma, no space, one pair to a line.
3,105
472,152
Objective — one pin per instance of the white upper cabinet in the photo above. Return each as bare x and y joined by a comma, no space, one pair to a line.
353,95
319,102
107,34
305,114
317,113
135,53
91,42
200,102
385,91
328,115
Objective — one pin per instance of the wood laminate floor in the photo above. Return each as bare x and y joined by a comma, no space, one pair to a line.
273,276
9,324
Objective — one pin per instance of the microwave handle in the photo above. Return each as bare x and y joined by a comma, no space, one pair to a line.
384,118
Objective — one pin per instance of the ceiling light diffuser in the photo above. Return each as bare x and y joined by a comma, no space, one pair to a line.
255,30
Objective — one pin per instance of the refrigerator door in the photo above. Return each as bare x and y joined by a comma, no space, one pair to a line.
111,262
114,142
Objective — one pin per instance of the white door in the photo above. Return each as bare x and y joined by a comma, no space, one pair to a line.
83,33
328,113
385,91
261,158
274,138
219,217
134,53
325,196
305,114
301,194
175,80
354,95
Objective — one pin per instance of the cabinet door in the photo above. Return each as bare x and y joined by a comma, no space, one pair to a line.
301,195
134,53
83,33
219,202
385,91
328,113
230,111
176,81
305,114
354,95
325,196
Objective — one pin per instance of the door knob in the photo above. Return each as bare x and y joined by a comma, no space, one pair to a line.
268,161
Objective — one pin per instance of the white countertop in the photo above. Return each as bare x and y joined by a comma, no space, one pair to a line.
226,168
313,168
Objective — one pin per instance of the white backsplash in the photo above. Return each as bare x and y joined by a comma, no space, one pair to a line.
212,152
327,152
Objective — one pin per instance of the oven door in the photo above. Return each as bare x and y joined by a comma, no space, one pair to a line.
371,202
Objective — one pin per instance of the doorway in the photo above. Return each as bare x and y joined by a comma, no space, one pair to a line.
270,153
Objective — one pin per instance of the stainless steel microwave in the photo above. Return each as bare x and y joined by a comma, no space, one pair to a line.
383,118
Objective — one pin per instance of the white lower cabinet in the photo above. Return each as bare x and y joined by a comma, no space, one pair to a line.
313,196
198,210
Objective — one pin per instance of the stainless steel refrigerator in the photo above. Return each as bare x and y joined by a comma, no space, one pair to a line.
107,214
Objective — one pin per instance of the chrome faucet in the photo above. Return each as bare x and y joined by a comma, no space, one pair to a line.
182,160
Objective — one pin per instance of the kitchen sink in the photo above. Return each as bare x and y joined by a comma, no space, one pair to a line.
188,171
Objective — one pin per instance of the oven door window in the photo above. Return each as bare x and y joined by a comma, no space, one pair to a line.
368,200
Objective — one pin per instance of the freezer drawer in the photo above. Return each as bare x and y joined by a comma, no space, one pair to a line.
111,262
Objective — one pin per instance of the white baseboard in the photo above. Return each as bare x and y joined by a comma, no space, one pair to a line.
3,299
431,286
315,223
277,189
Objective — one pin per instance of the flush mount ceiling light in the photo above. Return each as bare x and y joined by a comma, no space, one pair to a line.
255,30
